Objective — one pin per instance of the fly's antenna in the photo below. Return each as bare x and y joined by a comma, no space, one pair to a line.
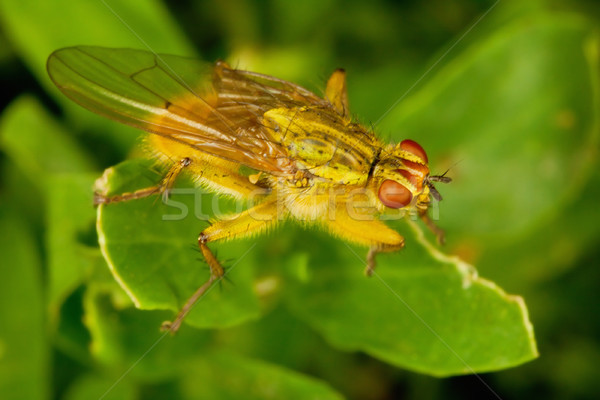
437,178
440,178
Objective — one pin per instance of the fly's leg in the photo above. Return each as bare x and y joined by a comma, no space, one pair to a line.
337,93
380,248
373,233
437,231
250,222
162,188
216,273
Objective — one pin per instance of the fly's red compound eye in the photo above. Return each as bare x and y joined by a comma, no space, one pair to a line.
414,148
394,195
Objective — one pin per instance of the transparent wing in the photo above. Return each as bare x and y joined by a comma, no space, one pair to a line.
211,108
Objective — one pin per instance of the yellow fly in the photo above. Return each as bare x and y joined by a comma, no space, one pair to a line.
304,158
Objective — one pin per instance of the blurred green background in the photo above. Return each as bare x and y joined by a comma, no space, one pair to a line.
505,94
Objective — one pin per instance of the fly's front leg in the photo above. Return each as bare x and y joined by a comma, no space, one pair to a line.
250,222
162,188
380,248
371,232
437,231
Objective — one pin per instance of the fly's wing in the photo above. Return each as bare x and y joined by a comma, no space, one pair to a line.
325,141
262,92
214,109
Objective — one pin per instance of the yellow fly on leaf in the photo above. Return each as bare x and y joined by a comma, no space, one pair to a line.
303,156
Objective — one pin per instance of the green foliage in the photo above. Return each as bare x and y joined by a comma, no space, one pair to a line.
466,325
512,110
152,250
25,358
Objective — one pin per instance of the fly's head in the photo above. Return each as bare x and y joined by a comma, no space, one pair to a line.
402,179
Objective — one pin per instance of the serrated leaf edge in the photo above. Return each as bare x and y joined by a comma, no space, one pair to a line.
470,275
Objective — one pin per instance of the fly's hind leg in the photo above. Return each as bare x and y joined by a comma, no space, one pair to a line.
250,222
162,188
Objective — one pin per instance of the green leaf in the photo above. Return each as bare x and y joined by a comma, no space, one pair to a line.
423,310
24,350
514,119
571,235
151,248
229,376
458,323
567,228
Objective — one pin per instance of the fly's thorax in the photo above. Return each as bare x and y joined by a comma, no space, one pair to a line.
399,178
322,142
